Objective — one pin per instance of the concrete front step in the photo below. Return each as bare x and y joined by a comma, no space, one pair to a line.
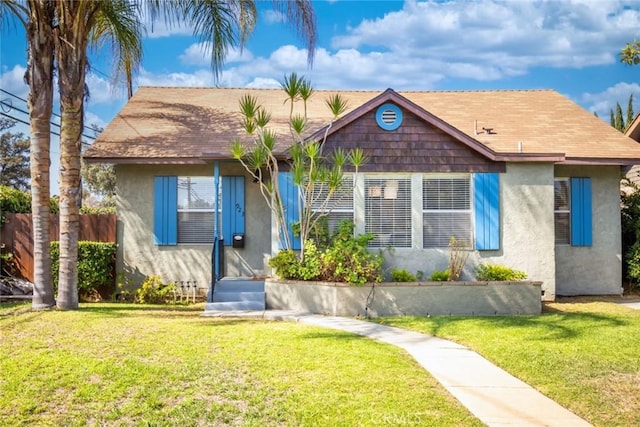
234,294
234,306
239,285
238,296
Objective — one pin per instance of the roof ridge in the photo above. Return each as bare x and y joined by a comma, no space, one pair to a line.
352,90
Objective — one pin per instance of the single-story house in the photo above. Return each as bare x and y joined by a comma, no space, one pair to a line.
529,178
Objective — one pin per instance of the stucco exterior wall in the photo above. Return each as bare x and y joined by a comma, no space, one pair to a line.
526,231
138,256
596,269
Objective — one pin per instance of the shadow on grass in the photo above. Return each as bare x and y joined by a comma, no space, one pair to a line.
334,335
554,324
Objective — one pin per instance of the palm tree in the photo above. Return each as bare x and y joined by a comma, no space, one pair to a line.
81,24
220,25
65,29
37,17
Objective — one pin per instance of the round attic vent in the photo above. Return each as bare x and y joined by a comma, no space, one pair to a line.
389,117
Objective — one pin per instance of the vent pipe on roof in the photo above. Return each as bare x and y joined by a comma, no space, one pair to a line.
519,146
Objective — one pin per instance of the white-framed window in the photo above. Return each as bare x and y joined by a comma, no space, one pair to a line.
196,209
446,210
562,210
388,210
340,205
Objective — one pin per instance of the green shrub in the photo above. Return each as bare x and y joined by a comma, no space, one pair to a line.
154,291
440,276
96,261
402,275
498,272
97,210
14,201
346,259
286,264
632,258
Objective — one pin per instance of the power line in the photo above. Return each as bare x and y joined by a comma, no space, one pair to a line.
52,113
27,123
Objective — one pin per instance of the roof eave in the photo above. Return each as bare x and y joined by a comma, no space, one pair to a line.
601,161
530,157
146,160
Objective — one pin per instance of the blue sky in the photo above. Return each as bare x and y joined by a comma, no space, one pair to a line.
568,46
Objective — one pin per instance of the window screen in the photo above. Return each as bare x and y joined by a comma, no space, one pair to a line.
196,203
446,206
562,210
388,211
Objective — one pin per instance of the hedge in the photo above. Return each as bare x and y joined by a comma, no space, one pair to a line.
95,264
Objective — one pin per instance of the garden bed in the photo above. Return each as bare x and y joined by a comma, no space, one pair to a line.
405,299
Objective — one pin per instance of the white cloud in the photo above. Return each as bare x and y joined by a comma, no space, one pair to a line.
490,40
91,119
263,83
200,54
101,90
273,17
344,69
605,101
161,28
12,80
200,78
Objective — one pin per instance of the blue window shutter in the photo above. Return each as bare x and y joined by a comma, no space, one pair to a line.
165,210
291,203
581,216
232,207
487,210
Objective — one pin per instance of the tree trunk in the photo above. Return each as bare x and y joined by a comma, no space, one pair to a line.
39,76
72,62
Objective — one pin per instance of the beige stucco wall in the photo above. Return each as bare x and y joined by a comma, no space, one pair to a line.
138,256
595,269
526,231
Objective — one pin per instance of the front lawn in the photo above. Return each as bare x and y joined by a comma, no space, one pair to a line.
118,364
585,356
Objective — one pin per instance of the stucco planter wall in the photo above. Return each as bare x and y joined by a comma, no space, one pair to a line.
406,299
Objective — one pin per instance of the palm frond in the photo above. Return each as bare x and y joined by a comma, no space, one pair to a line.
300,14
117,24
337,105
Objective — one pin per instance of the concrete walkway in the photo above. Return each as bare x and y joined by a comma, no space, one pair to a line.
635,305
494,396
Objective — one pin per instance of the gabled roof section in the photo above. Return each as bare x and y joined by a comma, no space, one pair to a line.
633,129
390,95
193,125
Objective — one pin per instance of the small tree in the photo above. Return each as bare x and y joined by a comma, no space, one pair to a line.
99,179
14,157
618,120
630,54
317,175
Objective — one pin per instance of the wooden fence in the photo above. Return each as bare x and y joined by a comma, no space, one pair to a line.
16,237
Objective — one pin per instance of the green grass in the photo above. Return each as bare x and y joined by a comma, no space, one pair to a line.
117,364
585,356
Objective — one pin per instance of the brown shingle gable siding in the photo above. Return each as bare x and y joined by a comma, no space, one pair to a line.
414,147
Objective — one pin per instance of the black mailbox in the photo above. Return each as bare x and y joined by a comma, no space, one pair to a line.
238,241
